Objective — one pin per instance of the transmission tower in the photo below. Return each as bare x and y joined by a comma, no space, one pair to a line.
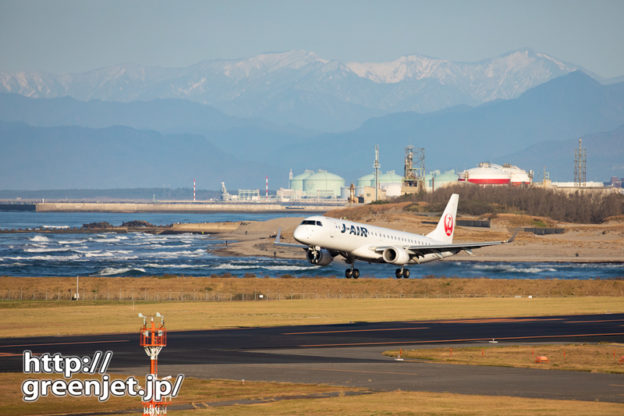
580,165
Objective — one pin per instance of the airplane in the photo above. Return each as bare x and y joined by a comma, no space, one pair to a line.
324,238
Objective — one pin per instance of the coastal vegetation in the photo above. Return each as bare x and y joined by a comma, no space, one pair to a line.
575,207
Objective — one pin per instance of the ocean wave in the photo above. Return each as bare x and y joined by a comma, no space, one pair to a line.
229,266
111,271
174,254
73,257
177,266
513,268
39,238
55,227
47,250
71,241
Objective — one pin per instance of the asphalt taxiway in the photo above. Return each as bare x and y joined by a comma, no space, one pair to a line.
350,355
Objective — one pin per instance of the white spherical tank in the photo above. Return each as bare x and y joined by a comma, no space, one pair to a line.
486,174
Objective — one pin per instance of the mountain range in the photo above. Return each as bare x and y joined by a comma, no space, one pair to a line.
299,88
63,142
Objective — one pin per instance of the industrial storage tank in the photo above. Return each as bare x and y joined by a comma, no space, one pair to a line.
518,176
436,179
296,183
323,184
363,182
486,174
391,183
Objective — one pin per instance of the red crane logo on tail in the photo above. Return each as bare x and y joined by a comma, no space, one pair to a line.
448,224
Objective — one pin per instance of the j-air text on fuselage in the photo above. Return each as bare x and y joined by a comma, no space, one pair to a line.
324,238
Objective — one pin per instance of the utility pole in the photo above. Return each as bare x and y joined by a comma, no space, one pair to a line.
580,165
376,166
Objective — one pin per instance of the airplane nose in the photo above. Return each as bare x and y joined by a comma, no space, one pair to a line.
299,235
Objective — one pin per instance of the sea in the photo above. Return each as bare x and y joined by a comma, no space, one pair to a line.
142,254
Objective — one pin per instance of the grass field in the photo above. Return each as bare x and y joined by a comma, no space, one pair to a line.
177,288
419,403
199,396
193,391
67,318
597,358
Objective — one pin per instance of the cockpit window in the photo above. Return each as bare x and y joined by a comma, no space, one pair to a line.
311,222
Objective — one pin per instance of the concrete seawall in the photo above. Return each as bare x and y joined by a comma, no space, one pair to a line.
175,207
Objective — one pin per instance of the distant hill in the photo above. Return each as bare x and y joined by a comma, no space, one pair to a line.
249,139
116,157
300,88
565,108
168,142
605,156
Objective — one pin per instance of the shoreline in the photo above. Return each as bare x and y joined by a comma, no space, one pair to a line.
580,243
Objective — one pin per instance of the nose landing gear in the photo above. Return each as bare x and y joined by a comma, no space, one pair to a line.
402,272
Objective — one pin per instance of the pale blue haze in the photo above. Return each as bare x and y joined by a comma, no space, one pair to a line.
74,36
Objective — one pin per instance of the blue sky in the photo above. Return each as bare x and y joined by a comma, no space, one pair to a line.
74,36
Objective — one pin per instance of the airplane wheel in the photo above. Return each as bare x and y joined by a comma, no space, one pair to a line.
356,273
406,274
398,273
348,273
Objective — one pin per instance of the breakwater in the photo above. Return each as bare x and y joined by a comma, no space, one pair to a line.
190,207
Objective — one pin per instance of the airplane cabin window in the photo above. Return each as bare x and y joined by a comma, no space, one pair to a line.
308,222
319,224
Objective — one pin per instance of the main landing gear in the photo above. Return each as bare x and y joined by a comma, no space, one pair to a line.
352,273
402,272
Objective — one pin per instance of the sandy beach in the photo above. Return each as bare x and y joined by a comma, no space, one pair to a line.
579,242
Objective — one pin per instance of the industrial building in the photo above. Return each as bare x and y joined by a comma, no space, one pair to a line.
492,174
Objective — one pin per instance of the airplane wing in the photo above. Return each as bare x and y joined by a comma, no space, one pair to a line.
277,241
437,248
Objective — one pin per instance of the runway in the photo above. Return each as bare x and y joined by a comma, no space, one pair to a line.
350,355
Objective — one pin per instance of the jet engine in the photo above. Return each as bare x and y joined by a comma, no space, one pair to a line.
395,255
321,257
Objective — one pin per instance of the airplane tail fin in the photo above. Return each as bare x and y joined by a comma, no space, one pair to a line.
446,226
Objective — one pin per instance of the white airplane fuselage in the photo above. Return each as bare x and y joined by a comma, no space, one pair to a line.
324,238
361,241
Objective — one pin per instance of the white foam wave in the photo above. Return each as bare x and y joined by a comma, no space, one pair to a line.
110,271
46,250
55,227
229,266
71,241
46,258
177,266
175,254
39,238
511,268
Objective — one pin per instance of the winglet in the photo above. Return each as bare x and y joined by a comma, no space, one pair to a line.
513,237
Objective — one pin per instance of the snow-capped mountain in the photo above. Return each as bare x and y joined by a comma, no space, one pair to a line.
303,89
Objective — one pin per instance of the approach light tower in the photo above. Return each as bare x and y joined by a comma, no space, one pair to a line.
153,339
580,165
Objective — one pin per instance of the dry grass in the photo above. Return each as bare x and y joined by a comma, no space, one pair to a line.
601,358
193,391
76,318
419,403
201,288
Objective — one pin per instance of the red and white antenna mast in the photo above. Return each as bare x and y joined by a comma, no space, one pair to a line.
193,189
267,188
153,339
